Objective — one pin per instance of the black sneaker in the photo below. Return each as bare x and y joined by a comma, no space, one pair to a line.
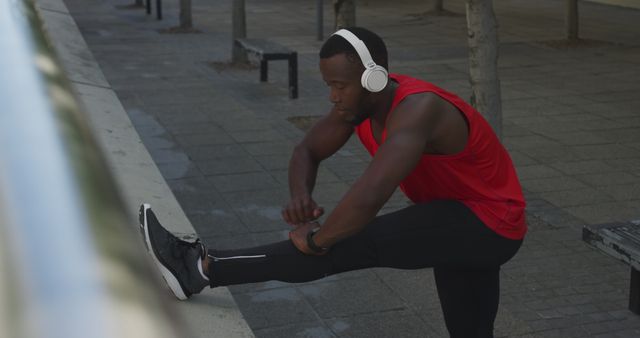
177,259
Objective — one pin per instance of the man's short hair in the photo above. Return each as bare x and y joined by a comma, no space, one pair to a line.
336,44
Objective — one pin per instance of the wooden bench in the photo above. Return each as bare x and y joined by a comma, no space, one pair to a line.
266,51
622,241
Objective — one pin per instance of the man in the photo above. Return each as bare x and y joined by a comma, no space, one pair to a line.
468,216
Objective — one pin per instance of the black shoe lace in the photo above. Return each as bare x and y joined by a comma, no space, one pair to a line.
189,245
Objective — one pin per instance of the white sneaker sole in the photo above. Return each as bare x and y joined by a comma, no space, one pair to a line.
168,277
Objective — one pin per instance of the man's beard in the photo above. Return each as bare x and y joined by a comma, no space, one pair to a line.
364,112
359,118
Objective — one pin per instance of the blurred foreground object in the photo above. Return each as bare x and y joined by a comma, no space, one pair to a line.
71,264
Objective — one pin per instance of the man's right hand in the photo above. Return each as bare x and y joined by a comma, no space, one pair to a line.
301,209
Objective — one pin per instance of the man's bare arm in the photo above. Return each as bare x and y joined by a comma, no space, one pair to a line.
325,138
408,133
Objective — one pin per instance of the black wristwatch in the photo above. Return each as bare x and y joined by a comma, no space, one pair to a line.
312,245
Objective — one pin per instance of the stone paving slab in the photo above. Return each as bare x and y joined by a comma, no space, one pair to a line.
570,121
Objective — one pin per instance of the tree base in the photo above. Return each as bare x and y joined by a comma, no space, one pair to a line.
303,123
130,6
434,14
576,43
179,30
443,12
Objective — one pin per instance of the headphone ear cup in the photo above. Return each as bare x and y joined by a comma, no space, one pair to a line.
374,79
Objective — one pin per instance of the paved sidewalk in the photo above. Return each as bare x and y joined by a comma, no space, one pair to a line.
222,140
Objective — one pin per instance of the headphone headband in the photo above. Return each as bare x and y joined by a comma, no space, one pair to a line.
359,46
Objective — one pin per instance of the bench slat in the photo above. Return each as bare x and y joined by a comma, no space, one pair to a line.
262,46
620,240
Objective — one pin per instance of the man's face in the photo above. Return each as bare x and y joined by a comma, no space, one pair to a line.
342,75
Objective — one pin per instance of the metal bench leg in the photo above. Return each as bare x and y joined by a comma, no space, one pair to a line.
264,69
293,75
148,5
634,292
159,9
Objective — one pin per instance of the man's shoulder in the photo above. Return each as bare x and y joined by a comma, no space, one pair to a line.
414,110
411,83
421,103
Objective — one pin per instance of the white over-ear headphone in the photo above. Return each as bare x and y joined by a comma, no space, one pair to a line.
375,77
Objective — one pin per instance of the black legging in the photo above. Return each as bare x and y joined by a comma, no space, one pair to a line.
465,254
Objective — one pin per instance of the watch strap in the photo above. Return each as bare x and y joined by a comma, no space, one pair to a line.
312,245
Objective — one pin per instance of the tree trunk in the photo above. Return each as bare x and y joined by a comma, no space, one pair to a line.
483,62
572,20
345,13
185,14
437,6
238,31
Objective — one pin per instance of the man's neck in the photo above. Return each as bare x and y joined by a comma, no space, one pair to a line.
383,103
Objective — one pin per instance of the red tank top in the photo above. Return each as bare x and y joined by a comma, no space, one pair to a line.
481,176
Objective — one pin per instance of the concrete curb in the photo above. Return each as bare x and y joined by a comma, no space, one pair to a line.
212,313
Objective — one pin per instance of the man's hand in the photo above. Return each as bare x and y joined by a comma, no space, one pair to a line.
301,210
299,237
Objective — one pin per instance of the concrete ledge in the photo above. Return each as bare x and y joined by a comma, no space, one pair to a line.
212,313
